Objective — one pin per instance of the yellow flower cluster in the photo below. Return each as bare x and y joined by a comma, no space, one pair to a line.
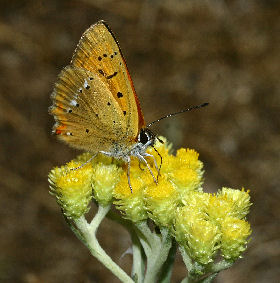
179,175
208,223
72,188
201,223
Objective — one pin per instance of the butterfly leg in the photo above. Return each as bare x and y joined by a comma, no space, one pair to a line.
128,173
79,167
155,162
145,161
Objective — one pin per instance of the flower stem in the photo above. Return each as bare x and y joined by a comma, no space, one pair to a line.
221,265
89,234
187,260
156,249
138,266
167,268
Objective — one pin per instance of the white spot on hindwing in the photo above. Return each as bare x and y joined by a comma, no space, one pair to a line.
73,102
86,84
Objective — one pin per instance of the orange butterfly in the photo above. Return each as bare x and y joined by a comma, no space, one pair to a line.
94,102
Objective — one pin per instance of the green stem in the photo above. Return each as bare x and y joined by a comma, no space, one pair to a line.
209,278
187,260
214,270
167,268
138,266
221,265
156,249
146,237
191,267
89,234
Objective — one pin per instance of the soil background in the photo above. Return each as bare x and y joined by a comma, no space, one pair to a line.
179,53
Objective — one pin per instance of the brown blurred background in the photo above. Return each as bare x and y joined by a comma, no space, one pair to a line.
179,53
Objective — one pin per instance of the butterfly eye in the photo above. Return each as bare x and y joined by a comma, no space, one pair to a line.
143,137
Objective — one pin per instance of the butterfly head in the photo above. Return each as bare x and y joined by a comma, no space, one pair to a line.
146,137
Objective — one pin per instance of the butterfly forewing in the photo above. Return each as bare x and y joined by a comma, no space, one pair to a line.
87,114
98,52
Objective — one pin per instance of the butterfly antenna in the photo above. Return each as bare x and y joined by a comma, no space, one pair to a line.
179,112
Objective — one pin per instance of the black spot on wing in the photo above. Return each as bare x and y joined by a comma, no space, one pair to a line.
111,76
101,72
119,94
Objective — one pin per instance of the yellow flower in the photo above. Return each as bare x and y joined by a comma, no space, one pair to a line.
235,233
208,222
219,207
72,188
132,203
241,200
179,175
199,237
229,202
197,200
105,178
161,202
189,157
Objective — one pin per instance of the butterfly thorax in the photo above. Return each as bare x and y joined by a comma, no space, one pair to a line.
138,149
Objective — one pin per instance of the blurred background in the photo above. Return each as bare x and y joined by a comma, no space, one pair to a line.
179,53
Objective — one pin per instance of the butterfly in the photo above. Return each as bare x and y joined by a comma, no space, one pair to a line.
95,105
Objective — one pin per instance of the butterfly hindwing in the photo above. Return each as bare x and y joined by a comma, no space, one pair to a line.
87,115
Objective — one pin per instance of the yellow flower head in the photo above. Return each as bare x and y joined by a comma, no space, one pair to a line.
197,201
219,207
184,169
229,202
241,200
72,188
210,222
235,233
179,175
132,203
161,201
199,237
